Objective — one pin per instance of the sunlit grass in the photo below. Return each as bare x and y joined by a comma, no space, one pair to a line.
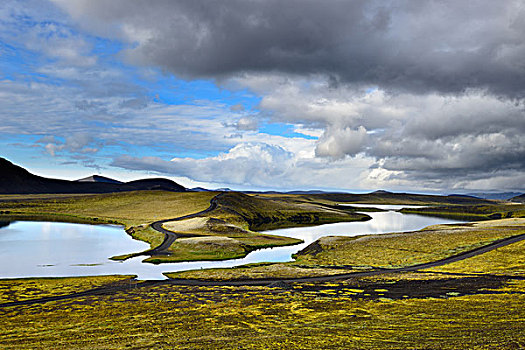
130,208
405,249
238,216
508,260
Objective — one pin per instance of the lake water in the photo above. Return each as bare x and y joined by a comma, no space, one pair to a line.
46,249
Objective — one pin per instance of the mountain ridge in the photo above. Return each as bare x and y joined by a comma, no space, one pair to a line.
16,180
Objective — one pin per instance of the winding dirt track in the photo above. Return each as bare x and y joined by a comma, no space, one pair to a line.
171,236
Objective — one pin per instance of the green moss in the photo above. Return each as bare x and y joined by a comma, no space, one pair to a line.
20,289
238,215
508,260
263,213
332,316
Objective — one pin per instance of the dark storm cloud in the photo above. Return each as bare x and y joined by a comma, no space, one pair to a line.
432,92
420,46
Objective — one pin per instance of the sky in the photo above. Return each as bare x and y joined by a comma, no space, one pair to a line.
419,96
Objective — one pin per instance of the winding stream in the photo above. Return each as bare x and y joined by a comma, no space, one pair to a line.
51,249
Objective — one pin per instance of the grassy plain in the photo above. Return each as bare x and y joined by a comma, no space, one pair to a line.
407,248
230,230
129,208
508,260
260,212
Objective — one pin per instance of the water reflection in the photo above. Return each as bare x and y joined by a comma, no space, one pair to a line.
381,206
35,249
38,249
4,223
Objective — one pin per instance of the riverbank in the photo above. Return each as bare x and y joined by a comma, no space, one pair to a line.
235,216
335,255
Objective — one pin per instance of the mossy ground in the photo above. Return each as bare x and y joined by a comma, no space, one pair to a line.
241,240
130,208
383,314
202,248
259,212
256,271
238,216
508,260
30,288
410,248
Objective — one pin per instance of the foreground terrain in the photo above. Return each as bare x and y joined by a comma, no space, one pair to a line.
424,311
391,291
476,302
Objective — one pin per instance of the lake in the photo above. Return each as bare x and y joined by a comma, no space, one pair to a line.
52,249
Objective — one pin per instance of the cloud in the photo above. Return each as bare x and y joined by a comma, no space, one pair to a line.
77,143
237,108
399,94
424,140
338,142
247,123
445,46
258,165
244,164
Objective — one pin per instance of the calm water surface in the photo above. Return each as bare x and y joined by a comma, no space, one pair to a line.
45,249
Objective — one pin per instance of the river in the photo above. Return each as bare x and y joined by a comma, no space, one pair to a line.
52,249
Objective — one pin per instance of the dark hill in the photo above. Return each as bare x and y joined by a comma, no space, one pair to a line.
17,180
518,199
263,213
153,184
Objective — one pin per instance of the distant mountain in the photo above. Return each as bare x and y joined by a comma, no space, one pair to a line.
289,192
223,189
307,192
98,178
17,180
518,199
200,189
495,195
